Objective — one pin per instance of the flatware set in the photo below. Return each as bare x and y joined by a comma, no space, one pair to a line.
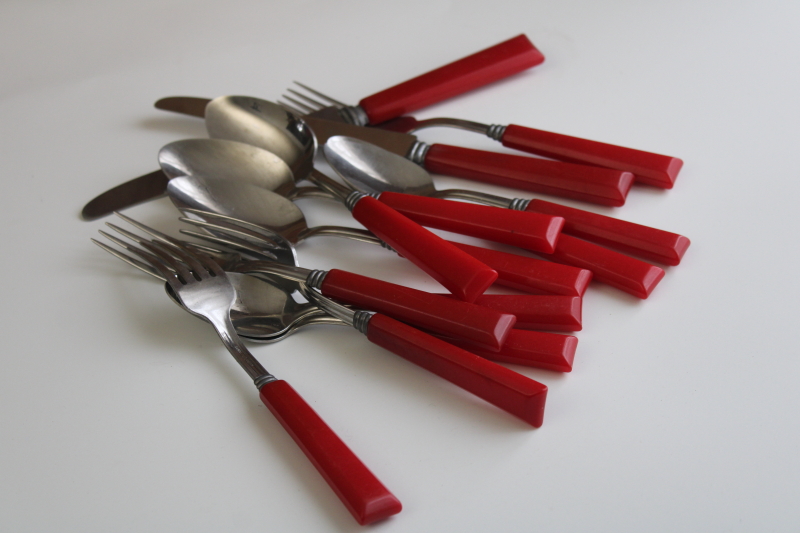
235,265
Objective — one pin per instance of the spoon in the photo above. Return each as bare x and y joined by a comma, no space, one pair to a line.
265,312
373,169
457,271
445,315
261,309
537,232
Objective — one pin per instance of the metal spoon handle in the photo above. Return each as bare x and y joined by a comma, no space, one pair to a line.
362,493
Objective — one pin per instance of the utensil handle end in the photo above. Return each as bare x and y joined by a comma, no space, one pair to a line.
649,168
504,388
367,499
479,69
460,273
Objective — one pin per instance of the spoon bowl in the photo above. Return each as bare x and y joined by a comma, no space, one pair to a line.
263,124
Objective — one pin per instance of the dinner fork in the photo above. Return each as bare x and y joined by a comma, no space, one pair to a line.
649,168
204,290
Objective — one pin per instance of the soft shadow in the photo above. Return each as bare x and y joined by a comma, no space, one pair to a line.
182,125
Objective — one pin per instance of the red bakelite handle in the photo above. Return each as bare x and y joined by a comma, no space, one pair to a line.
603,186
457,271
500,386
537,349
652,169
479,69
612,268
531,275
550,313
358,488
518,228
648,243
432,312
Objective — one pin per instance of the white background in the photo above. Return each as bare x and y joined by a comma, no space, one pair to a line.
120,412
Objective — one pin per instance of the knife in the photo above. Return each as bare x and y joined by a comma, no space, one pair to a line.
597,185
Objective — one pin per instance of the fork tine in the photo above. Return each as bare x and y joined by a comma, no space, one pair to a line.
154,260
319,94
144,267
306,98
228,224
158,256
266,240
238,245
304,107
169,246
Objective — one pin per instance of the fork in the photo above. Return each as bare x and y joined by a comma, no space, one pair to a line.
648,168
205,291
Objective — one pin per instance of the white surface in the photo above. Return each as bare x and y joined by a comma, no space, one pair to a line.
119,412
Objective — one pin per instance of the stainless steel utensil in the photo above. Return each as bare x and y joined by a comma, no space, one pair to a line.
204,289
363,163
587,183
374,170
649,168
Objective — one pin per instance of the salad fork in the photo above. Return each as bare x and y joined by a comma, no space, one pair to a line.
203,288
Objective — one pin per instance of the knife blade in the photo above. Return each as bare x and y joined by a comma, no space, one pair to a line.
136,191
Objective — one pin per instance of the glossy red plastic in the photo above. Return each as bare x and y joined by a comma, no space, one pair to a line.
457,271
476,70
508,390
530,275
432,312
612,268
362,493
531,231
598,185
649,168
642,241
537,349
549,313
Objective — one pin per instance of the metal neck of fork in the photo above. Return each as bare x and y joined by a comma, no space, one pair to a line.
496,131
418,152
519,204
353,198
354,115
263,379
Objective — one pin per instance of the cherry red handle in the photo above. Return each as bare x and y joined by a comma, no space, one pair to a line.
643,241
537,349
531,275
479,69
498,385
652,169
518,228
603,186
432,312
550,313
457,271
358,488
612,268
